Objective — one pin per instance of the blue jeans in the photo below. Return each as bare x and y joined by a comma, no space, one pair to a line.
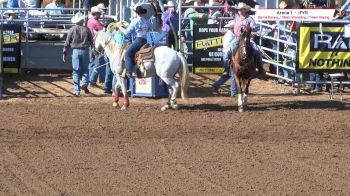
86,4
223,78
93,72
107,86
80,64
130,53
189,37
316,77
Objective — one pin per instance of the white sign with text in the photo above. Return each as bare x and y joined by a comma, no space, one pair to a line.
317,15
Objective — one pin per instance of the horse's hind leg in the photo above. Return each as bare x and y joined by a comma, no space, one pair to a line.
125,98
116,93
173,87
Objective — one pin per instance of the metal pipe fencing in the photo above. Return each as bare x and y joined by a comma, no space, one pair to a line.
37,21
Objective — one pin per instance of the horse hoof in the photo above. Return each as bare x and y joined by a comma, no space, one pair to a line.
175,106
115,104
124,108
245,108
240,109
164,108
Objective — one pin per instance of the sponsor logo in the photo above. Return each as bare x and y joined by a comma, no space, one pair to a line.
208,43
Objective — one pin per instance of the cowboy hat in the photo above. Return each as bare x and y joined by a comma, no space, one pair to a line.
95,9
230,24
78,17
30,3
140,10
8,12
3,1
170,4
242,5
101,6
282,5
213,3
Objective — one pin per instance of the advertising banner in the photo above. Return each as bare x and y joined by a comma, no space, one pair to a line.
323,47
207,49
11,48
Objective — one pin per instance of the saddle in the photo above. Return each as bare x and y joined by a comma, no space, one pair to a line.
144,54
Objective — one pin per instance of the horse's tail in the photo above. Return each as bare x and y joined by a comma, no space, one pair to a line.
184,79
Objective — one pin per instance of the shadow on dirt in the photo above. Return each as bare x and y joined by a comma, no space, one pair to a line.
296,105
55,82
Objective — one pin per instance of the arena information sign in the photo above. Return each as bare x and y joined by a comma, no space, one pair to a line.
294,14
207,48
323,47
11,48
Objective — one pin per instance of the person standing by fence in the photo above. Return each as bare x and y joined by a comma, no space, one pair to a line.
229,37
79,38
171,24
94,26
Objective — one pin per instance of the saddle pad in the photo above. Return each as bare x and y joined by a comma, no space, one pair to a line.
119,38
156,38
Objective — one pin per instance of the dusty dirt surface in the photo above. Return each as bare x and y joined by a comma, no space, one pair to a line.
52,143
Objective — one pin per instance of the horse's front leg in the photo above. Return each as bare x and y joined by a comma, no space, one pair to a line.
245,95
239,95
125,97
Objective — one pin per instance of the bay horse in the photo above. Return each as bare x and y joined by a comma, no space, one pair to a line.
166,64
244,63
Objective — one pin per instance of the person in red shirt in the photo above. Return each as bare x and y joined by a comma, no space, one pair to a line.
94,26
93,23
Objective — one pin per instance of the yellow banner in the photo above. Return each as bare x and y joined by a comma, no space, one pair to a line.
208,43
11,39
323,49
209,70
11,70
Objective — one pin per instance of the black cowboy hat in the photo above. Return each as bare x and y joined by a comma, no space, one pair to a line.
140,10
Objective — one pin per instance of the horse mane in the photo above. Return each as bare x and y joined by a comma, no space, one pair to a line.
243,44
112,44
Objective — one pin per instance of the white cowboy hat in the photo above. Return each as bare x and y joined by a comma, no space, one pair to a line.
95,9
30,3
230,24
78,17
282,5
8,12
170,4
213,3
101,6
242,5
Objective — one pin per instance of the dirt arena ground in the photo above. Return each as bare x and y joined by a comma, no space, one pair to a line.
52,143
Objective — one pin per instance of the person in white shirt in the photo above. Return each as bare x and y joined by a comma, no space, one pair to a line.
228,39
56,4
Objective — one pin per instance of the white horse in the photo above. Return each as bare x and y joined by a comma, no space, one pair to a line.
166,63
